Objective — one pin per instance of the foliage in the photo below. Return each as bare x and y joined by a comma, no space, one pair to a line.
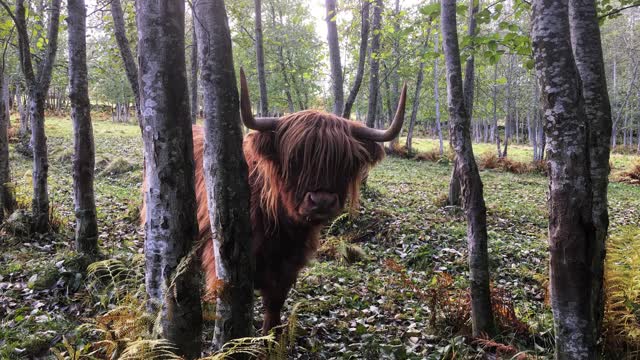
622,292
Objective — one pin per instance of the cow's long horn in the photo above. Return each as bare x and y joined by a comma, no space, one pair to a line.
389,134
260,124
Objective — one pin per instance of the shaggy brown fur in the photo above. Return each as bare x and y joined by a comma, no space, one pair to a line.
309,151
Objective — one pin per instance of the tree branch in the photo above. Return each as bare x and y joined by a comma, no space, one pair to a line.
44,72
619,10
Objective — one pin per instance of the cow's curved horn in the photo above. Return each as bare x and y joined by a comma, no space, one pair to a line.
259,124
389,134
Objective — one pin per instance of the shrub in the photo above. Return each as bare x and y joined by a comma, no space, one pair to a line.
489,161
431,155
631,176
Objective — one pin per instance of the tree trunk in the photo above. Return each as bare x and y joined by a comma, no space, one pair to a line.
226,176
194,69
281,62
21,99
475,210
436,95
453,197
6,201
40,203
374,67
262,77
83,147
362,55
416,104
496,130
130,67
394,95
170,211
587,48
571,229
334,57
38,87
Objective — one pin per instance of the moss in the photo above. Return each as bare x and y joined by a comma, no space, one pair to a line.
35,345
101,164
76,262
44,278
117,167
64,156
19,223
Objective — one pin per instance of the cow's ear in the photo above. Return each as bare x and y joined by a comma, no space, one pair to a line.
376,151
264,144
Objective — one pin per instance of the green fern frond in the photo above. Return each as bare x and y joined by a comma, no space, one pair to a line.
159,349
252,346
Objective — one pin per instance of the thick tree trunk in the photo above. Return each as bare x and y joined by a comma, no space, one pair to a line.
587,48
194,69
475,210
374,67
170,225
130,67
226,176
262,77
362,55
334,57
572,238
83,147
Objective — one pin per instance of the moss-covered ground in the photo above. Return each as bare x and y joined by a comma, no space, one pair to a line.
404,298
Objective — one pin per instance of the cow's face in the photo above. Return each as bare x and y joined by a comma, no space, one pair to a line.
318,164
310,162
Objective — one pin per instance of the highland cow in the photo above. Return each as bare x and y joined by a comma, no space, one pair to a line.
304,168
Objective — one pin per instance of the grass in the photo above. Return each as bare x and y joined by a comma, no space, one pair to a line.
519,152
357,307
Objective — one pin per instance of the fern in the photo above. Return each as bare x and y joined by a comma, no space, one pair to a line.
257,347
160,349
622,288
112,280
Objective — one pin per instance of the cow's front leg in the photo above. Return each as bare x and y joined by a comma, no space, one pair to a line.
273,300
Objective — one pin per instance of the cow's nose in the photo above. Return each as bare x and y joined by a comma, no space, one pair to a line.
321,200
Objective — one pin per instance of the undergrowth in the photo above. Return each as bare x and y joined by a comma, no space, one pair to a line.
621,326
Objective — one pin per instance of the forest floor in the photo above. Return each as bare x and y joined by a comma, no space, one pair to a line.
389,282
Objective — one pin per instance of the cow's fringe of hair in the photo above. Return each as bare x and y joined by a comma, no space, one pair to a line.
329,155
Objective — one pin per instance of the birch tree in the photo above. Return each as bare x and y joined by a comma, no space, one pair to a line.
83,147
577,199
226,175
471,184
374,67
262,77
128,60
453,197
5,174
334,57
362,55
587,49
170,226
38,86
194,69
